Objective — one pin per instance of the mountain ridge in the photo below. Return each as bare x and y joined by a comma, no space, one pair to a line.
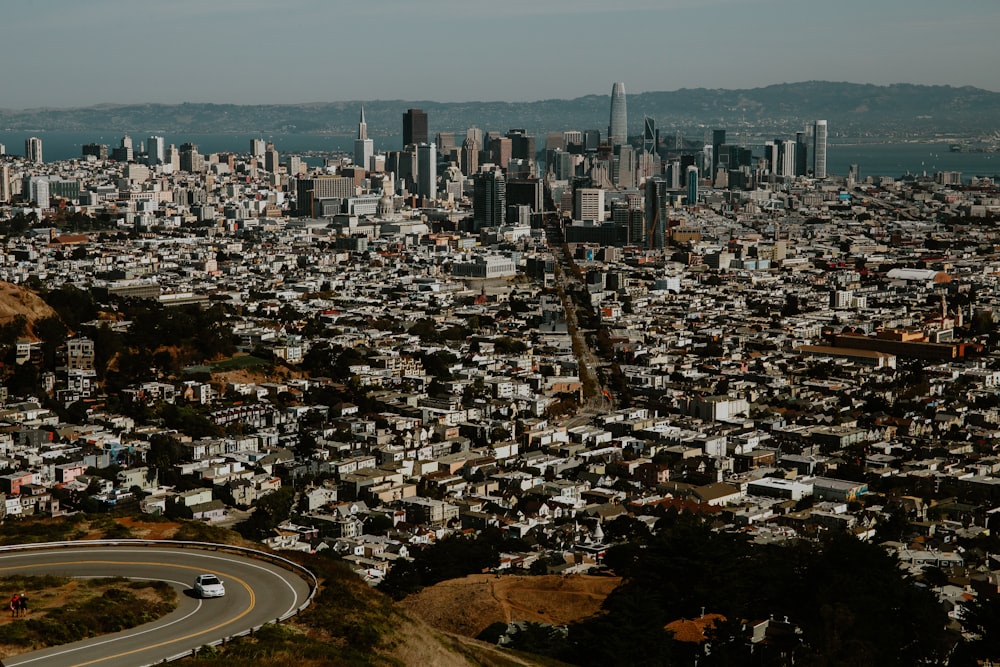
853,108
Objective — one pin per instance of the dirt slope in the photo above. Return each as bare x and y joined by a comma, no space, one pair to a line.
467,606
16,300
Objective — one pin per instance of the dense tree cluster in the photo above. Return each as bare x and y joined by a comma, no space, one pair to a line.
449,558
835,602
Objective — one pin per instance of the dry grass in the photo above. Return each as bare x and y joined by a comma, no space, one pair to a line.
467,606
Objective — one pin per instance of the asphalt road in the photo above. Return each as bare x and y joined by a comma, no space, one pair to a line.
256,592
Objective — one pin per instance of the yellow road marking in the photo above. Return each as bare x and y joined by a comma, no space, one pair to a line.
250,608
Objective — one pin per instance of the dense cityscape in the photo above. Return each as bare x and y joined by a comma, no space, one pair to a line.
713,369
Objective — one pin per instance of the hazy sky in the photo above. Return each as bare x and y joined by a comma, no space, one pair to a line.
82,52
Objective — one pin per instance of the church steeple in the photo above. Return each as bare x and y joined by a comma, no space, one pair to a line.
362,125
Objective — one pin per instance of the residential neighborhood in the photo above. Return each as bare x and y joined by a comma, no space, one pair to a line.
198,336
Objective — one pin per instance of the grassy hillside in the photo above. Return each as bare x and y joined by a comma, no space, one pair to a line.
349,623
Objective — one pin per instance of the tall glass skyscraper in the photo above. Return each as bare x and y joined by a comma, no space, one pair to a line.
656,212
414,127
819,149
33,150
618,127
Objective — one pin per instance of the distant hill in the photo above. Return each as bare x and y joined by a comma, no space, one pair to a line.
852,109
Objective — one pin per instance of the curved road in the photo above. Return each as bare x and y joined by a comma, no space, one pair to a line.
257,592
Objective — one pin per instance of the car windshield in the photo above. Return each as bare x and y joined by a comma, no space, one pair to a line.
210,581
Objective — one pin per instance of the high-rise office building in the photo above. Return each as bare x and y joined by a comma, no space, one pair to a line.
591,140
718,140
624,166
525,192
801,154
476,135
500,150
771,154
271,158
445,142
470,157
99,151
124,151
427,171
414,127
627,219
554,140
37,190
648,134
364,147
618,127
362,125
786,161
572,137
657,201
257,147
5,193
819,149
190,159
156,150
489,199
33,149
588,204
561,164
692,185
522,145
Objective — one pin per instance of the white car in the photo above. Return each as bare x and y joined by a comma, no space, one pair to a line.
208,586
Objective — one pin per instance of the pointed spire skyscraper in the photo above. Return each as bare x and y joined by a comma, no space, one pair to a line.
364,148
618,127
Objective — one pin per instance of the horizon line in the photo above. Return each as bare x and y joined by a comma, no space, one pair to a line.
469,101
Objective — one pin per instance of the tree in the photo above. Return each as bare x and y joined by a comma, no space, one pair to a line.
53,333
981,617
165,452
268,512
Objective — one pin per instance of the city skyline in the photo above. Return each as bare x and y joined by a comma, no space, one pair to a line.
239,52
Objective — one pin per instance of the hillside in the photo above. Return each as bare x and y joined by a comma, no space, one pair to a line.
16,300
467,606
348,622
894,110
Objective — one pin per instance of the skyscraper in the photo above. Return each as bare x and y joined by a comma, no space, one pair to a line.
427,170
362,125
500,149
624,166
489,199
364,147
271,158
257,147
4,183
470,156
801,154
588,204
618,127
718,140
819,149
414,127
33,150
648,134
787,158
692,185
656,212
156,150
771,154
